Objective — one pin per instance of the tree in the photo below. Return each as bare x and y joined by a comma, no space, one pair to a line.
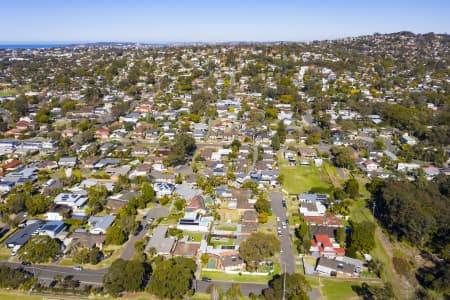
183,146
97,198
15,202
234,292
12,278
124,276
258,247
352,188
294,286
134,274
313,138
362,238
115,236
85,255
262,204
281,131
341,236
343,157
148,193
172,278
37,204
40,249
275,142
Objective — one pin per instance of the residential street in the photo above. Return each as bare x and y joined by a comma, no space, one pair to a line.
286,253
86,276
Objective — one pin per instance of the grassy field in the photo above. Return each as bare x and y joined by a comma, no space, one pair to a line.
301,179
8,92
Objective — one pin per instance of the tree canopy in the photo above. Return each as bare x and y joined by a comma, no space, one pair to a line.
258,247
172,278
40,249
296,287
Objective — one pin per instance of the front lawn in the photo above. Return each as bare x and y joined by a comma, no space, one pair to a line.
221,276
339,289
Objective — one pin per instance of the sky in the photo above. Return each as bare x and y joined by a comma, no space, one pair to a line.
214,21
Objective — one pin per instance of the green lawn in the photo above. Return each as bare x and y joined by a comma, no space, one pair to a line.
223,242
301,179
226,227
338,289
17,295
194,236
221,276
8,92
5,253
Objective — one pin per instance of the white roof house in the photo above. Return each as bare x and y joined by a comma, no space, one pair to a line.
99,225
74,201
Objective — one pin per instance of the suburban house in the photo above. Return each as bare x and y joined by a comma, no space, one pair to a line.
321,245
68,162
307,153
163,189
84,239
333,267
193,222
99,225
163,245
75,201
51,228
57,213
21,237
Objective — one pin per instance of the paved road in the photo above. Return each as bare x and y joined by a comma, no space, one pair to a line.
246,288
308,118
286,253
93,277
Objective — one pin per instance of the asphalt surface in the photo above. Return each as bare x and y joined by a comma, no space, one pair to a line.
286,252
86,276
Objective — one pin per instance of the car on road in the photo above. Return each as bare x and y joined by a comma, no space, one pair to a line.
26,263
206,279
78,268
278,219
284,225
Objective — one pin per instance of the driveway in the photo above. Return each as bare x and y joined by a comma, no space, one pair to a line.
286,254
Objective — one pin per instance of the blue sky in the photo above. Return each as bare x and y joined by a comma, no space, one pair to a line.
214,21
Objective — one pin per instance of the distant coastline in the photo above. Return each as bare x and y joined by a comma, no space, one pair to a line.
31,46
